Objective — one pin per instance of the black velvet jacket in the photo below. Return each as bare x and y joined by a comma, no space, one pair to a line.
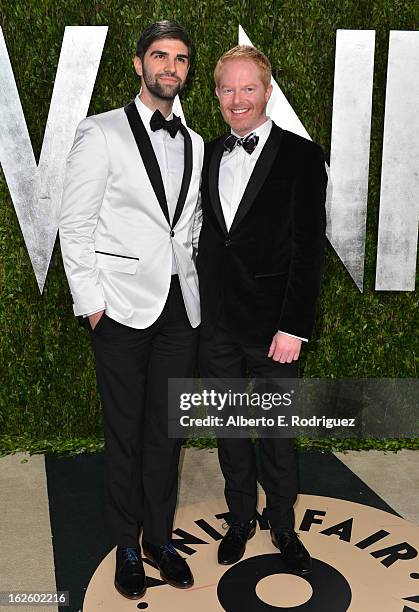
265,272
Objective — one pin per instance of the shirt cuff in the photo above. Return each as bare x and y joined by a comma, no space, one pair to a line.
94,312
292,336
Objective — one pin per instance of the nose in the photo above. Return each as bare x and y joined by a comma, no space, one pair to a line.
171,64
236,97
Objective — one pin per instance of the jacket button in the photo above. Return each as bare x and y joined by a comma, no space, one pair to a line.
227,243
172,233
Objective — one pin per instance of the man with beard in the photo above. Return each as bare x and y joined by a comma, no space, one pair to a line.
127,229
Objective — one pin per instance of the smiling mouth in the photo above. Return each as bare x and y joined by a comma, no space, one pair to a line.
239,111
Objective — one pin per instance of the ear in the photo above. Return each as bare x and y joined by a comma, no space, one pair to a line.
268,92
138,65
217,92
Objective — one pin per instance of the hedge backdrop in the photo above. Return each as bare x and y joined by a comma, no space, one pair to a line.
48,396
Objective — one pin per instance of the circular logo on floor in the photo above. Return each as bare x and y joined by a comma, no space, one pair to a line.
364,559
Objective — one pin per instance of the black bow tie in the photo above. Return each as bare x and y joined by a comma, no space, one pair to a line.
248,143
158,122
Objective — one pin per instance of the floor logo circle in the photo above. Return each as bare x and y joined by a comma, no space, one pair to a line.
364,560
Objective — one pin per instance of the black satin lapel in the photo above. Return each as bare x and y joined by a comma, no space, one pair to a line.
213,175
259,175
148,156
187,173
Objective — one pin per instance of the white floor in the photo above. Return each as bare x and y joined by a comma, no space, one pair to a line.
393,476
26,559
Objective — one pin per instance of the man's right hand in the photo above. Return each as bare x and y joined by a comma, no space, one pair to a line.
95,318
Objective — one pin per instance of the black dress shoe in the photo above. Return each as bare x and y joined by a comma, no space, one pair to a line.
294,554
130,577
233,544
173,568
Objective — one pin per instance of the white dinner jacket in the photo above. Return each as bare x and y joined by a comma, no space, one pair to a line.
115,232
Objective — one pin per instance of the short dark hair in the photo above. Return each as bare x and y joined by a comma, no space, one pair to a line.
159,30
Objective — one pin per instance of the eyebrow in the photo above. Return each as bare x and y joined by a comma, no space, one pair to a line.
243,86
158,52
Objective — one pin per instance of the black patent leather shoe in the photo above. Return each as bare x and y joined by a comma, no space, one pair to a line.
233,544
293,552
173,568
130,579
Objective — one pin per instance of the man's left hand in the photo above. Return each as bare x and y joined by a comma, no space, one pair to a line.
284,348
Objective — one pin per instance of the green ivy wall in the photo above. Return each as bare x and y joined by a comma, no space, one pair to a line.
48,396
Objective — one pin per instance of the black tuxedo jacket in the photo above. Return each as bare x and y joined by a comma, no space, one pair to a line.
264,274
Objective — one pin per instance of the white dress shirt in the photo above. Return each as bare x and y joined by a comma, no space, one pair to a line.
170,157
236,168
235,171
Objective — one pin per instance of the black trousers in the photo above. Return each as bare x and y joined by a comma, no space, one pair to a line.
224,356
141,462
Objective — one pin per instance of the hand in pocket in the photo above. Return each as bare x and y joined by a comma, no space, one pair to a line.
95,318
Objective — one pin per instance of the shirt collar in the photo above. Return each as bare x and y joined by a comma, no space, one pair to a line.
261,131
146,113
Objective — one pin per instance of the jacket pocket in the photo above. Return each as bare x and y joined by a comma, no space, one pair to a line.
116,263
271,283
269,274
